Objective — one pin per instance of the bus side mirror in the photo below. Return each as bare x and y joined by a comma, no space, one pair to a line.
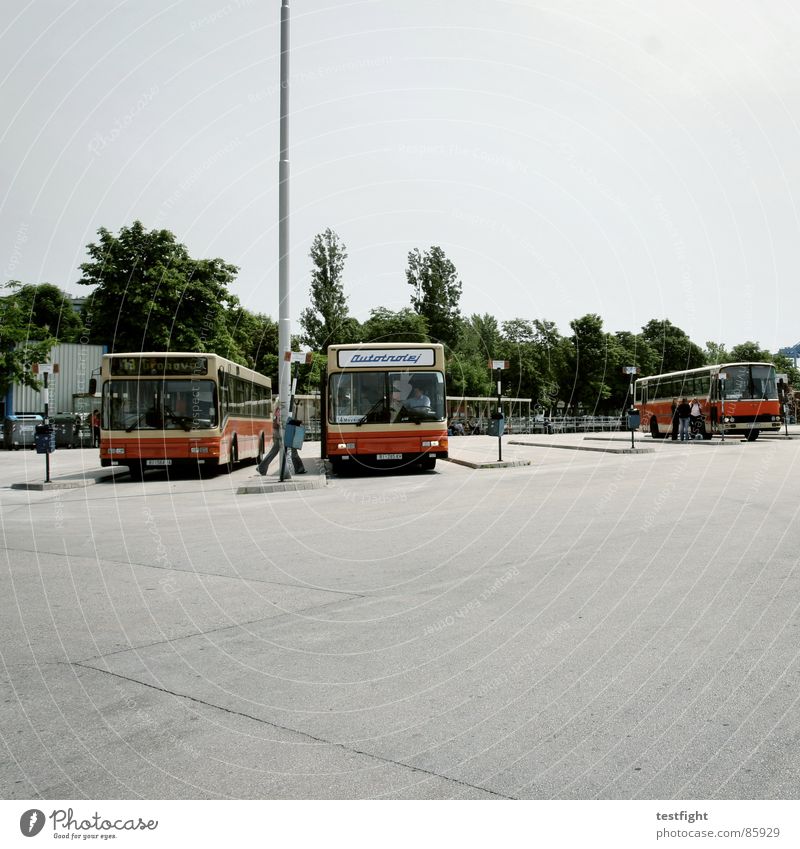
92,385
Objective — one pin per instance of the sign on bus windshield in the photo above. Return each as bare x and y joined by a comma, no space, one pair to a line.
148,366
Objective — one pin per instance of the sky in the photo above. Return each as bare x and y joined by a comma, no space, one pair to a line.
634,159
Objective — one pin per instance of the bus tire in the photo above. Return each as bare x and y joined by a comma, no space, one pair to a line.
752,435
428,464
707,434
261,453
654,431
233,454
136,471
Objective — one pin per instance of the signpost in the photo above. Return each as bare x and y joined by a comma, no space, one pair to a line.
496,422
633,414
45,442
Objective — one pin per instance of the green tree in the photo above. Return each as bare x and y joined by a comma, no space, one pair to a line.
385,325
48,310
436,293
18,351
468,370
628,349
749,352
715,352
151,295
256,336
326,322
591,361
675,350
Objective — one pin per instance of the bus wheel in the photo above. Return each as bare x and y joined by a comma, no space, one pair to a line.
752,435
705,431
428,464
233,455
136,471
654,431
260,456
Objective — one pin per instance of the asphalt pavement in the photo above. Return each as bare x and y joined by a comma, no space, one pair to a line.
581,624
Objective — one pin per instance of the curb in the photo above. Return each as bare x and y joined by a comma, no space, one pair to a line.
585,448
90,479
497,464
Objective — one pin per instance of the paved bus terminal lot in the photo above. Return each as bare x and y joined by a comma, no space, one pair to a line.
592,625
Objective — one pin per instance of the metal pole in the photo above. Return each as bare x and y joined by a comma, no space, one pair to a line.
46,422
722,392
499,422
284,319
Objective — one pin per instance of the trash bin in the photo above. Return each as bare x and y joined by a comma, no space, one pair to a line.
634,419
45,439
497,424
67,430
20,431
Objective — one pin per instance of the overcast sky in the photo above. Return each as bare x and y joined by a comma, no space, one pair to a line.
636,159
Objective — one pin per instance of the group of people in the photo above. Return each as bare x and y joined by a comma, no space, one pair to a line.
687,418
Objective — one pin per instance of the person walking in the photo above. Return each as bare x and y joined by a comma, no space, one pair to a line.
674,419
684,412
277,445
96,428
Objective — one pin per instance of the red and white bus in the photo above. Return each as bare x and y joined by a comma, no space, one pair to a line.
737,398
385,405
171,409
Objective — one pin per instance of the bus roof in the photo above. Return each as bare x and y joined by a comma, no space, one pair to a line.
717,367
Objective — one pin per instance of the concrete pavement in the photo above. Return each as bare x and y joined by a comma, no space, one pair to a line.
593,625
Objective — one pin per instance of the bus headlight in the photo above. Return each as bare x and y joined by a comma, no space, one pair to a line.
198,450
433,443
116,450
346,446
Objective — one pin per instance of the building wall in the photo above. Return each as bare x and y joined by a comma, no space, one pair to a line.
75,366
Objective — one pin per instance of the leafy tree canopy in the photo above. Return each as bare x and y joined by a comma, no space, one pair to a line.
436,293
326,322
18,350
385,325
151,295
673,347
48,310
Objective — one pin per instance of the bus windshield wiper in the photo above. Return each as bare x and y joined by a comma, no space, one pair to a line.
373,409
136,423
184,421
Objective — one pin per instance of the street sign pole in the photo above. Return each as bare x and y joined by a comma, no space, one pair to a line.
46,422
498,366
722,377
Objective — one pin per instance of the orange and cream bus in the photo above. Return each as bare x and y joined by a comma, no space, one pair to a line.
385,405
190,409
737,398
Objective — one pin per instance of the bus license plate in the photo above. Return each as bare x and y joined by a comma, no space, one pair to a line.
161,462
390,456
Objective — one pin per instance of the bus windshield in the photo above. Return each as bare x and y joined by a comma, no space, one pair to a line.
159,405
750,382
385,397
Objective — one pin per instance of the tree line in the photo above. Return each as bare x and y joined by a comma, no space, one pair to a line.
148,294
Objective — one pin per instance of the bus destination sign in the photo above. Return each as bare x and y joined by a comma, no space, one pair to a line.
378,357
158,366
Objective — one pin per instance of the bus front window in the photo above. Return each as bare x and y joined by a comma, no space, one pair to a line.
160,405
383,397
747,383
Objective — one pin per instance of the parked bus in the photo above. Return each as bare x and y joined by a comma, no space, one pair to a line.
190,409
745,402
384,405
